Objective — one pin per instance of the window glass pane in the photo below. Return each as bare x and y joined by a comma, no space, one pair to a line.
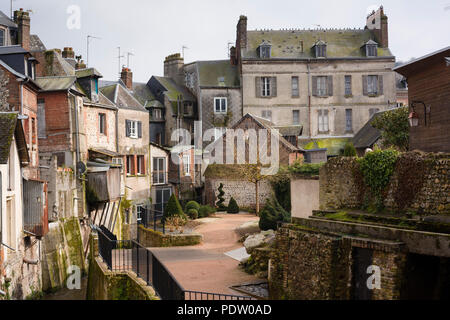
348,120
296,117
348,85
2,37
294,86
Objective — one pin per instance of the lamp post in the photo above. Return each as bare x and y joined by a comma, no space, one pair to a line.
413,117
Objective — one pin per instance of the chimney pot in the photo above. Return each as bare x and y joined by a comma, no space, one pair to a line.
127,77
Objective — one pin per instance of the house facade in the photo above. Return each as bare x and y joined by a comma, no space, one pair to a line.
329,81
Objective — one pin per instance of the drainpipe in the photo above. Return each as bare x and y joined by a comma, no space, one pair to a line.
77,133
309,99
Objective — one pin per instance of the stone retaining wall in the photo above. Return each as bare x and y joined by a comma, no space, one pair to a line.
151,238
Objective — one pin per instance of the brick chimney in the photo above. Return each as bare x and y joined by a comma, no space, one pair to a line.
377,22
241,36
80,65
233,58
22,19
173,68
68,53
127,77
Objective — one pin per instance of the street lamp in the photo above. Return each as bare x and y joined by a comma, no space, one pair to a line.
413,117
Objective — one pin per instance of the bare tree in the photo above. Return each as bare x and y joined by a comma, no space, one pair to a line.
252,173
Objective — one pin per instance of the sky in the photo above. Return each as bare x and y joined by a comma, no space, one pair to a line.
152,30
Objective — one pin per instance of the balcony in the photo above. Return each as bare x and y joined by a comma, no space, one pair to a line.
159,177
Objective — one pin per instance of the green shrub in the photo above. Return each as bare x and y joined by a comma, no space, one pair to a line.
271,214
205,211
220,204
281,185
349,150
192,213
233,206
173,208
191,205
305,169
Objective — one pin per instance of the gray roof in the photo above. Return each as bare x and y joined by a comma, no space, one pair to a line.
144,95
12,49
56,83
173,90
6,21
122,97
36,44
298,44
367,135
11,127
218,73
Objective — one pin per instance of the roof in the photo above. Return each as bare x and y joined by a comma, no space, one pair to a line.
36,44
419,63
12,50
173,90
56,83
122,97
294,130
6,21
106,152
11,127
218,73
143,94
368,135
88,72
287,44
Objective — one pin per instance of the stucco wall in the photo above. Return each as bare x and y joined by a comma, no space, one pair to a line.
304,197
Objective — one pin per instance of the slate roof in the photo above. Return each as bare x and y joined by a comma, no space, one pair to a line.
367,135
286,44
60,83
121,97
143,94
12,49
88,72
36,44
294,130
173,90
6,21
218,73
10,126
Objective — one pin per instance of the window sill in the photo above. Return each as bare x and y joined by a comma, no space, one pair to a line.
348,96
373,95
295,97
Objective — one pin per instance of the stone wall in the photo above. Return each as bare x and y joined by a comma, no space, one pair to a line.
242,191
151,238
421,188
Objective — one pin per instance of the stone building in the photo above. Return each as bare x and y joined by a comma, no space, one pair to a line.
330,81
428,80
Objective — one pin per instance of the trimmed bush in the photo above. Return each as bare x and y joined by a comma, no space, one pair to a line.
232,206
173,208
271,214
220,204
191,205
205,211
349,150
192,213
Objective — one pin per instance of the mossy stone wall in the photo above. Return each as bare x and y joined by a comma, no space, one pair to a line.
151,238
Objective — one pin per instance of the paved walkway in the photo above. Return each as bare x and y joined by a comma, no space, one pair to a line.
205,267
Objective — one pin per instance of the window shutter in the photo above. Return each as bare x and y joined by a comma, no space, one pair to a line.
258,87
330,85
380,85
127,128
364,85
325,120
139,129
314,85
273,86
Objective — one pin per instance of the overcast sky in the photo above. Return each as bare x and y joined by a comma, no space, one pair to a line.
152,29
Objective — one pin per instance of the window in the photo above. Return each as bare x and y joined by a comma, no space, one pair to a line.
133,129
295,116
321,51
158,138
10,167
348,120
41,118
220,105
266,114
372,87
159,170
187,108
265,81
372,111
371,50
321,86
156,114
2,37
102,123
323,120
118,161
218,132
33,132
130,165
140,213
186,164
348,85
295,91
141,165
265,51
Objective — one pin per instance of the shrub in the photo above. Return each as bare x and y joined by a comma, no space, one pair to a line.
205,211
233,206
271,214
191,205
281,185
349,150
173,208
220,204
192,213
305,169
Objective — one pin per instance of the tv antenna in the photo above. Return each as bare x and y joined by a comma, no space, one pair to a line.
182,50
228,44
128,58
87,48
120,59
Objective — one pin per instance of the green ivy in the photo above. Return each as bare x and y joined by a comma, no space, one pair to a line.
377,167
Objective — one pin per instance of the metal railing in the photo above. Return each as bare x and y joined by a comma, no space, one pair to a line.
124,255
152,218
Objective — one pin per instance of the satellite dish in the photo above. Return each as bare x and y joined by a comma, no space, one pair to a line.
81,167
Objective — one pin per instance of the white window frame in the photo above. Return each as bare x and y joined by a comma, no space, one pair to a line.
265,87
223,105
372,84
140,164
186,164
348,85
295,86
322,86
348,120
323,121
133,129
159,170
265,114
2,44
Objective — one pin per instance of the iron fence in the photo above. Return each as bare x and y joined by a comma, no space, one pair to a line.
152,218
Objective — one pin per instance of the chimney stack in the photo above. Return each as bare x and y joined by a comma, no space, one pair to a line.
68,53
80,65
22,19
127,77
377,22
241,36
173,68
233,58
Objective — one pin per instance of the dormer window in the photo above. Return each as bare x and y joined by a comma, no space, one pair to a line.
371,48
2,37
320,49
265,50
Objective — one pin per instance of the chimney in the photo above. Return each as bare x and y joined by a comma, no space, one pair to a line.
127,77
22,19
241,37
173,68
80,65
233,58
377,22
68,53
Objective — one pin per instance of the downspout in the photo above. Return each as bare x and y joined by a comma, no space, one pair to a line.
77,132
309,98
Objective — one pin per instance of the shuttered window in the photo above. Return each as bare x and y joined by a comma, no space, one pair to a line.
266,114
266,86
141,165
322,86
323,120
373,85
133,129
